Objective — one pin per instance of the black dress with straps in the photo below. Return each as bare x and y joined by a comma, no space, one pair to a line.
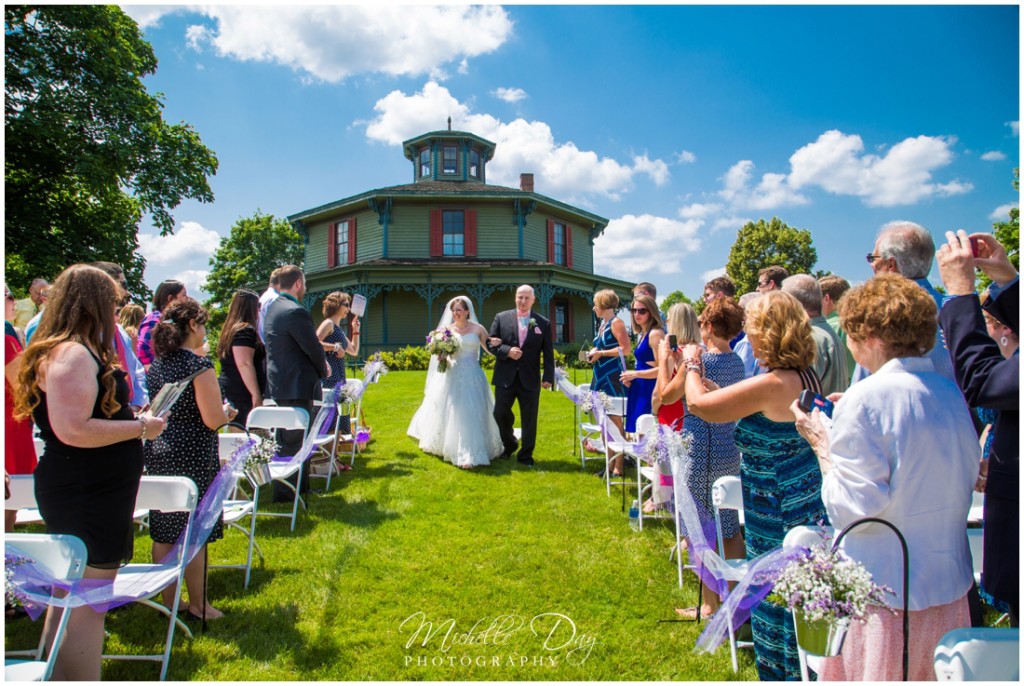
90,492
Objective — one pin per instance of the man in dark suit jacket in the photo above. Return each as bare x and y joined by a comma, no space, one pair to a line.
517,339
989,380
295,361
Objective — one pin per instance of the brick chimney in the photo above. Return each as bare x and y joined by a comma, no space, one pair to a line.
526,182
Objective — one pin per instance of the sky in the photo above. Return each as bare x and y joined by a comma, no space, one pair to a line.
677,123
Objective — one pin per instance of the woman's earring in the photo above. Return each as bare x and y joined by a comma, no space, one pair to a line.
1004,341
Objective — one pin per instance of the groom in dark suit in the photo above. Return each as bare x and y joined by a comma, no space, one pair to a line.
517,339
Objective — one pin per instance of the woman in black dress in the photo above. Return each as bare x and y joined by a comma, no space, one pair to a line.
189,445
88,476
243,369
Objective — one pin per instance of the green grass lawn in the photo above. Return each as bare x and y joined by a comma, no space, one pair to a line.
541,554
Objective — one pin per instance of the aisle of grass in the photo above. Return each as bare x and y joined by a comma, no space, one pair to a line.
405,533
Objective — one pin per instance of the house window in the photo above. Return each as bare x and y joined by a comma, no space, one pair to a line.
559,237
561,322
449,159
424,163
474,163
453,233
341,242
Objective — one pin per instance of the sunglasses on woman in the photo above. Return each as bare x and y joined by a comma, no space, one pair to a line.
639,310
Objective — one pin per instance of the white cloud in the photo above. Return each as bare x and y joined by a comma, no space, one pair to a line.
993,156
332,42
772,191
189,243
836,163
712,274
685,157
561,170
699,210
509,94
1002,213
1014,126
149,15
194,280
638,247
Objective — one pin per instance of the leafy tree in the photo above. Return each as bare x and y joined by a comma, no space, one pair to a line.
256,246
1007,233
762,244
87,149
673,298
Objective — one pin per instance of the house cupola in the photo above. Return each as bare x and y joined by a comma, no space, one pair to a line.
449,156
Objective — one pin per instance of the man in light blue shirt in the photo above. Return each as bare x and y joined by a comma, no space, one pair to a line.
269,296
906,248
33,323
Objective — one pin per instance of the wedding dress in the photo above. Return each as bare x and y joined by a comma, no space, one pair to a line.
455,420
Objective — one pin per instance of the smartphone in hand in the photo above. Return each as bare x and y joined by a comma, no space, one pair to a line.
673,342
809,400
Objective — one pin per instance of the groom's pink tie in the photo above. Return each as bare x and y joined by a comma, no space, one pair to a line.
522,330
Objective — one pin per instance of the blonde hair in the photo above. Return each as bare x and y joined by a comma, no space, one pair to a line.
683,324
80,310
784,330
893,309
606,299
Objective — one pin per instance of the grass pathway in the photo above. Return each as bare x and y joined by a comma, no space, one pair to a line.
405,539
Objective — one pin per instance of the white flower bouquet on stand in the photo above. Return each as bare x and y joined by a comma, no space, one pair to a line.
442,342
257,462
826,590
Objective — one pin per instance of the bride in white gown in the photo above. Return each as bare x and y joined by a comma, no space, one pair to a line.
456,418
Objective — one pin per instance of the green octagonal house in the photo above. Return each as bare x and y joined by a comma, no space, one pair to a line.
410,248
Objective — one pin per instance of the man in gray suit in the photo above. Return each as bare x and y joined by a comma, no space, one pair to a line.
295,361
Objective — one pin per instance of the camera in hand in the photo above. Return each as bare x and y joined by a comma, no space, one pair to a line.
810,400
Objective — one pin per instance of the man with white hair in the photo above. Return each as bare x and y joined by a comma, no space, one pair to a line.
830,361
907,249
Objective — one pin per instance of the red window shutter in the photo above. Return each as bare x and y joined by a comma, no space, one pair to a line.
352,240
436,245
553,320
568,246
570,330
332,246
470,237
551,241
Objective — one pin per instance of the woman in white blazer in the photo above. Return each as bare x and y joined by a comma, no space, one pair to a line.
902,449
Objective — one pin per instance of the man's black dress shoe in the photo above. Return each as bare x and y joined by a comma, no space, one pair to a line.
528,461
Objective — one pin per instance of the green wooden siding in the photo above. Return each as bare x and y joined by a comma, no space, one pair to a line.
582,251
369,236
316,249
497,234
409,232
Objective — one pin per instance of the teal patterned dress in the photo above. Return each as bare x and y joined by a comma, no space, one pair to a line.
781,489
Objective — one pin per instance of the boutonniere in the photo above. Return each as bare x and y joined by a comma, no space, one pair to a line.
532,322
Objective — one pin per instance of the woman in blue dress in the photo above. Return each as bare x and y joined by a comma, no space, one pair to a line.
336,344
714,450
780,474
640,381
611,346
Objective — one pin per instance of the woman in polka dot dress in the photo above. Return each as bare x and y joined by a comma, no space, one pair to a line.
188,447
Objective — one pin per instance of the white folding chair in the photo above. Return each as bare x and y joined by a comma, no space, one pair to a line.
648,478
587,431
616,445
62,557
288,418
975,515
978,654
803,537
166,494
237,509
727,494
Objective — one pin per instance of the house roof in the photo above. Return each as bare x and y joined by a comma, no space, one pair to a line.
461,190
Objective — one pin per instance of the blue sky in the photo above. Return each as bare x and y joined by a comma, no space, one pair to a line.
677,123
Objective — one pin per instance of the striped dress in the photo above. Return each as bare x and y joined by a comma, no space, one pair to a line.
781,489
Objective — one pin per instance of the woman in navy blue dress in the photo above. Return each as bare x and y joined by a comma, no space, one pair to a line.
611,346
640,381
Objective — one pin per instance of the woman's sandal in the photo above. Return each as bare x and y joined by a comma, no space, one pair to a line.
690,613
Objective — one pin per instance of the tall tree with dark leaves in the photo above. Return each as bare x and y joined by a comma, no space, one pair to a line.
87,150
761,244
1007,233
256,246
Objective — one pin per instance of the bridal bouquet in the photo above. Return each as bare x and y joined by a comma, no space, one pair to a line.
826,585
442,342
